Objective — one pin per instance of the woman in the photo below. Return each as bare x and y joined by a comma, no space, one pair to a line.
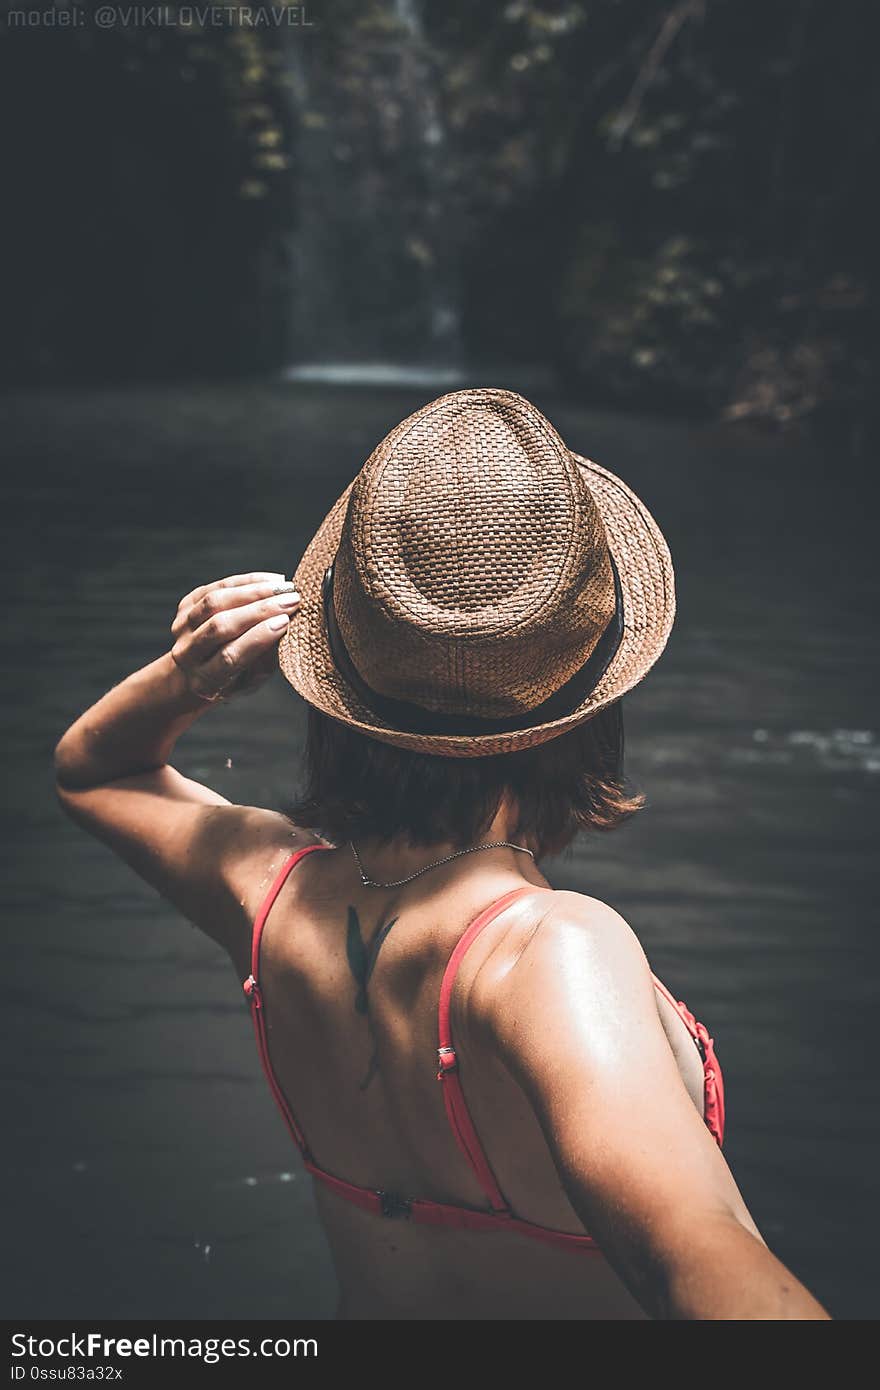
463,627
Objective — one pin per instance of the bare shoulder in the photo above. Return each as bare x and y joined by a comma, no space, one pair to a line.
258,841
555,929
566,915
260,826
569,961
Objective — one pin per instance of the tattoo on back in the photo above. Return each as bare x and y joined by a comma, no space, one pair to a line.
361,960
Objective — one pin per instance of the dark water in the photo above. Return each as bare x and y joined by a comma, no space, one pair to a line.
147,1171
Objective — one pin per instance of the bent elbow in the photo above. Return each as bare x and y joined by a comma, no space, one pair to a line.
67,767
62,765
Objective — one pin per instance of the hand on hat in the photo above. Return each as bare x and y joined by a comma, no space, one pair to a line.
226,633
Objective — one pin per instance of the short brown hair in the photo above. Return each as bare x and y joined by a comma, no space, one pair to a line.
357,787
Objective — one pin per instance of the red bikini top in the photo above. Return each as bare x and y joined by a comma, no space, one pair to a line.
499,1214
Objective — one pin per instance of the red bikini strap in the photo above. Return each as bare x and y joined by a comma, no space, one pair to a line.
252,990
267,903
457,1112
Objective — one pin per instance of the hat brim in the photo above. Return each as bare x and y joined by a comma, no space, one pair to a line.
646,576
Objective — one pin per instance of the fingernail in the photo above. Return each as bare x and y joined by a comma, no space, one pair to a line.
278,622
289,600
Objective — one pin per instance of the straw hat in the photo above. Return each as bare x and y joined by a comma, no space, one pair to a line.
478,588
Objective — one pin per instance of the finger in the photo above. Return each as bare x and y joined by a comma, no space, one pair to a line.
231,582
220,600
238,656
226,626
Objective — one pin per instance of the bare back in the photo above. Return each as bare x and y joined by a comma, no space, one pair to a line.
350,979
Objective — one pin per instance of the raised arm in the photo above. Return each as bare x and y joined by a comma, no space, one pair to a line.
575,1021
113,772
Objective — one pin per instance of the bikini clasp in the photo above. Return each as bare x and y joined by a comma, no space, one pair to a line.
390,1204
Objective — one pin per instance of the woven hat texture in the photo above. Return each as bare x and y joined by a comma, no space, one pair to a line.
473,562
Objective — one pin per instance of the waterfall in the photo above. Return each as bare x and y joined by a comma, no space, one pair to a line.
373,268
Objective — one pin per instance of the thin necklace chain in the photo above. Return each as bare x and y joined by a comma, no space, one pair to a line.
399,882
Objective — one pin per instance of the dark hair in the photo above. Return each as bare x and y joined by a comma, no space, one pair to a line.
357,787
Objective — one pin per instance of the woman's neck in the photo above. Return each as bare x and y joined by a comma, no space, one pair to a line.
390,860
